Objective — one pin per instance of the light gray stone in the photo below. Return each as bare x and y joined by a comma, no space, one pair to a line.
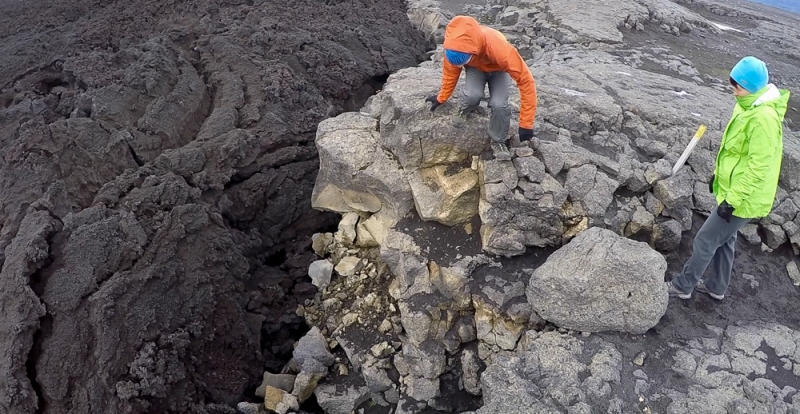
775,236
470,365
750,233
248,408
341,398
544,375
667,235
313,346
571,288
530,168
794,272
600,197
674,191
320,272
416,138
580,181
348,266
355,174
346,233
281,381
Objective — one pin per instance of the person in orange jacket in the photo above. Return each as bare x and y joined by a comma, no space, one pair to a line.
488,58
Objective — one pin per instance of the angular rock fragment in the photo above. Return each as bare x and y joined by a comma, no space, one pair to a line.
313,358
794,272
666,236
446,194
341,396
282,381
320,272
355,174
675,191
349,266
347,229
279,401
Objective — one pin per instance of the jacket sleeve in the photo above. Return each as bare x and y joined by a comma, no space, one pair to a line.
518,70
761,153
450,74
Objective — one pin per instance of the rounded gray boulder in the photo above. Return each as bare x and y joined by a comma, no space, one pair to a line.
601,281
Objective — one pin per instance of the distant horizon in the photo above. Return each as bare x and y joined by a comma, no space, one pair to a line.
790,5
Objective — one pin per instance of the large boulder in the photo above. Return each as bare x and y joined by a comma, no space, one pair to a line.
355,174
415,136
600,281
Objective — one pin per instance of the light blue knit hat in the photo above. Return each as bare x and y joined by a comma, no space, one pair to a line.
751,74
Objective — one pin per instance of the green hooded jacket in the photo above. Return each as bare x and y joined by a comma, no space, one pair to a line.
749,160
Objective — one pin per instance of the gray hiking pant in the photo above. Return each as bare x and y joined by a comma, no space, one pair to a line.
499,84
714,244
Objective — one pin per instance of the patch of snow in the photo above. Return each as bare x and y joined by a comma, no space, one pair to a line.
571,92
623,73
724,27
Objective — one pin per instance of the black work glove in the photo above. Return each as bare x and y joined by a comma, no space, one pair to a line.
434,102
525,134
725,211
711,184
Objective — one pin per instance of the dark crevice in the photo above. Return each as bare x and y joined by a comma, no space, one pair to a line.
37,282
359,96
46,326
276,259
625,192
136,158
239,178
311,405
47,85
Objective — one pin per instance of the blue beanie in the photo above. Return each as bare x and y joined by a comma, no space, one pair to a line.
456,58
751,74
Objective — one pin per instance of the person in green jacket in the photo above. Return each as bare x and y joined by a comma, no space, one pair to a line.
745,178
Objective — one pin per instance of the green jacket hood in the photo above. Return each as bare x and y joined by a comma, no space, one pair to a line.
770,95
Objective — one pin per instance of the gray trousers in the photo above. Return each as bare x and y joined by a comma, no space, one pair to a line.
499,84
714,244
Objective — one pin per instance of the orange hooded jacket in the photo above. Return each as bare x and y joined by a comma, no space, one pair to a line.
491,53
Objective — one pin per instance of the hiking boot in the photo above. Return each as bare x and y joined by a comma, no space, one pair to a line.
701,287
459,119
673,291
500,151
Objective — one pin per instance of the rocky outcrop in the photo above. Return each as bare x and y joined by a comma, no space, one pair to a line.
600,281
355,173
459,277
551,372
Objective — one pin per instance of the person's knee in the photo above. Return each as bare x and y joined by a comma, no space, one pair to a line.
499,105
472,97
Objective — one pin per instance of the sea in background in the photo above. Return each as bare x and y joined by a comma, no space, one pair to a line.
791,5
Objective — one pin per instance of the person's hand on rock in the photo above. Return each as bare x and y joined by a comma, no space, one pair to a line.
434,102
525,134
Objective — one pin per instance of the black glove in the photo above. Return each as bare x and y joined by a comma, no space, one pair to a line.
725,211
434,102
525,134
711,184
